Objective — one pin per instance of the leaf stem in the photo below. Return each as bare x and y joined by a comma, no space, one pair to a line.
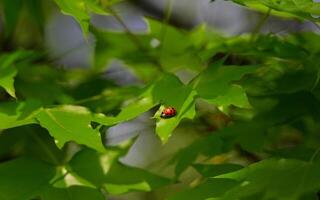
260,24
316,152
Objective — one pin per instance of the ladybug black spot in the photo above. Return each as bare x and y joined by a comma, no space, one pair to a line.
168,112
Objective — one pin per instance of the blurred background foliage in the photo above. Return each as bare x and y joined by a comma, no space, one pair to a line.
83,84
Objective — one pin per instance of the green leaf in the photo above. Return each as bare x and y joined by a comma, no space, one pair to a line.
234,95
70,123
71,193
36,11
170,91
117,178
280,78
182,55
208,146
300,8
7,79
12,10
88,165
121,179
242,50
211,188
13,114
110,2
135,108
165,127
122,48
32,141
23,178
275,179
151,49
297,152
215,85
46,86
81,10
215,170
251,137
8,72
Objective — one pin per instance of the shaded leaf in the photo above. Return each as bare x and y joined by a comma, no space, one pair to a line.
71,193
12,10
215,85
117,178
13,114
121,179
211,188
26,175
88,164
280,78
215,170
208,146
35,8
293,179
46,86
32,141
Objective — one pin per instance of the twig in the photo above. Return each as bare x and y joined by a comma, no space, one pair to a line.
135,40
165,20
316,25
260,24
316,152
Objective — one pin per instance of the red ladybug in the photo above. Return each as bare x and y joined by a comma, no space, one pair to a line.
168,112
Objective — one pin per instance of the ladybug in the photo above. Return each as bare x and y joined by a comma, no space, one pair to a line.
168,112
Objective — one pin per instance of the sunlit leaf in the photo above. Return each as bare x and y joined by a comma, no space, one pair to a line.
135,108
70,123
165,127
299,8
170,91
81,10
